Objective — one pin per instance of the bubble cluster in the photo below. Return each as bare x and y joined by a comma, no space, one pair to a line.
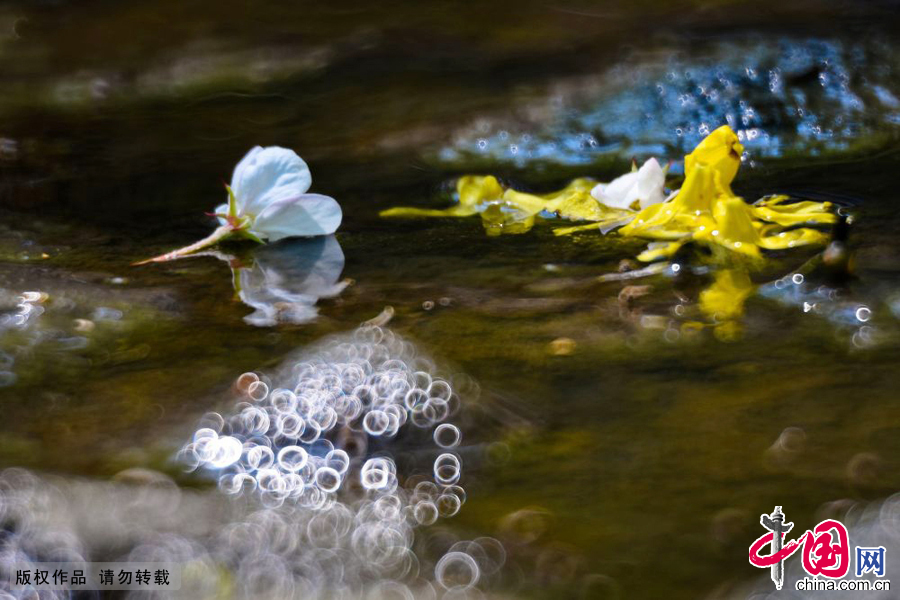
307,432
319,444
333,469
361,550
847,314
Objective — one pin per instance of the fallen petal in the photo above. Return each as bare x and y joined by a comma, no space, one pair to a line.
302,216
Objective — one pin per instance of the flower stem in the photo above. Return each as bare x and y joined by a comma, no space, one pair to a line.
213,238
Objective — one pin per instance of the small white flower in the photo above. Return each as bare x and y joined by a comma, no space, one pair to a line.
269,198
638,189
268,201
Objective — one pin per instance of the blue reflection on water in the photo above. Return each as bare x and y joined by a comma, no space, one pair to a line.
780,96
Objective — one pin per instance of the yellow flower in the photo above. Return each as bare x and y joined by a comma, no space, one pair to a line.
510,211
705,210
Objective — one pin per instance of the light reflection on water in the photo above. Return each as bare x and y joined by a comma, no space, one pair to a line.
320,509
781,95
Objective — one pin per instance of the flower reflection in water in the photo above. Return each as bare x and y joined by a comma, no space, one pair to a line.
854,312
283,282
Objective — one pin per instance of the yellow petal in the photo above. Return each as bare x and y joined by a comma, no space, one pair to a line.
780,240
778,209
582,184
580,205
528,203
616,218
473,191
733,227
503,217
720,151
658,250
704,210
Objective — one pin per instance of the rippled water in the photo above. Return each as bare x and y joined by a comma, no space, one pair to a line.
615,443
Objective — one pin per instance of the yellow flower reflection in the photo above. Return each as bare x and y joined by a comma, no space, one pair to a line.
723,301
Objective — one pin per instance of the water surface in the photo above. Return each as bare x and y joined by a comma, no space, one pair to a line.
635,453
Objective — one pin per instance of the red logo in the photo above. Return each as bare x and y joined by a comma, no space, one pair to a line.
826,548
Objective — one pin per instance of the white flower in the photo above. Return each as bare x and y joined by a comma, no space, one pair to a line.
644,187
267,201
269,198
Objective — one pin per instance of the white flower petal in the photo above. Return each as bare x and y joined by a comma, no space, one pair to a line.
650,183
304,215
266,176
644,186
597,191
615,193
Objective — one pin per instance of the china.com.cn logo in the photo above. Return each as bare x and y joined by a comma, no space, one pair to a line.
826,553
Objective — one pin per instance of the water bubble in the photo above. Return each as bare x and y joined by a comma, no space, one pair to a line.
425,512
447,435
457,571
447,469
260,457
376,473
311,432
290,425
228,451
338,460
244,381
255,420
489,553
376,422
440,389
204,433
292,458
258,391
328,479
448,505
414,398
299,433
284,401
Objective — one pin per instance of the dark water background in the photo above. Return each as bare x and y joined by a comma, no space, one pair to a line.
653,456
